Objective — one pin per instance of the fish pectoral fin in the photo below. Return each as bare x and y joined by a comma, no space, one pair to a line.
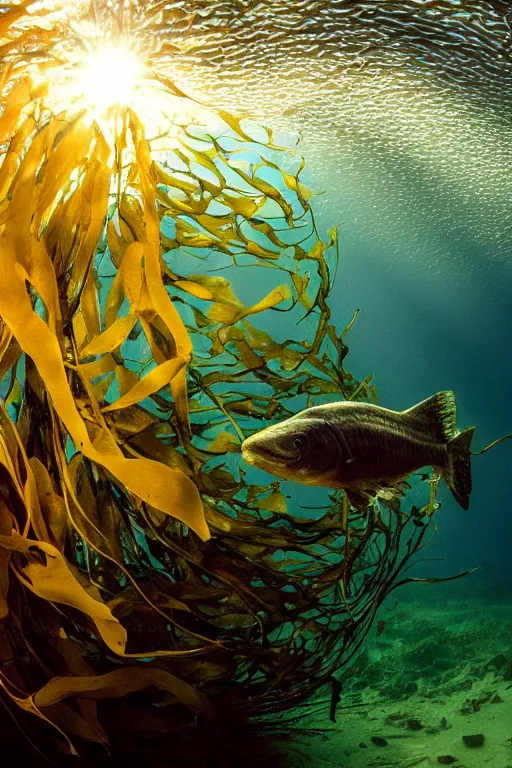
359,498
390,492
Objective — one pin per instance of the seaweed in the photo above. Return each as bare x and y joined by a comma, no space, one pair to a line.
149,587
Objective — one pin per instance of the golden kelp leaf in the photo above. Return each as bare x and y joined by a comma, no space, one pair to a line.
114,299
251,550
275,502
228,314
132,274
9,354
54,580
11,16
300,284
119,683
177,206
84,725
259,250
155,380
70,152
159,298
268,230
18,98
89,307
80,332
225,442
202,159
156,517
319,248
148,444
32,503
234,124
266,189
245,206
168,490
162,302
131,214
6,522
219,288
260,340
111,338
73,656
92,221
85,500
221,227
104,364
118,238
180,397
27,704
181,182
235,621
8,458
130,599
12,158
13,446
199,291
24,197
52,505
189,236
275,296
110,524
149,246
126,379
101,386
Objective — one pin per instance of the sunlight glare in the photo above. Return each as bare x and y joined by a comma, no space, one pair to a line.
109,76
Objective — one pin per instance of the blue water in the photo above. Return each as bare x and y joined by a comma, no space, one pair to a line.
426,326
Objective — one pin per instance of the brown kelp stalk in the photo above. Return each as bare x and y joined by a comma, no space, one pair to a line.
143,573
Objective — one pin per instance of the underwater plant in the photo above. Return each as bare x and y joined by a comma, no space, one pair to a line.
149,587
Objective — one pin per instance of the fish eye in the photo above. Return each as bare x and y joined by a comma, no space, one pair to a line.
299,442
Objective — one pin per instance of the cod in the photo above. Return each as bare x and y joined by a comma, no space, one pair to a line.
364,448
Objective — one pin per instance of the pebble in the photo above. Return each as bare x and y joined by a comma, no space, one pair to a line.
379,741
473,740
507,670
495,699
497,662
446,759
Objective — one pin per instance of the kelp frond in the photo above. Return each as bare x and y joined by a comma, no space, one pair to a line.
147,581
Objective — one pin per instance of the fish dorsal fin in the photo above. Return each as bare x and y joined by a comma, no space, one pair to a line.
436,416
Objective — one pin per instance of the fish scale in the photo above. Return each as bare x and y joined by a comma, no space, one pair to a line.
361,447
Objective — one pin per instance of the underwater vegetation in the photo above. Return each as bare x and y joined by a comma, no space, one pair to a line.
149,587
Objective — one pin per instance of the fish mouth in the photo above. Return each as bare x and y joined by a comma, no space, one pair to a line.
256,450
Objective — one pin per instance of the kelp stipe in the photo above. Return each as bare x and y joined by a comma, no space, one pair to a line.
148,588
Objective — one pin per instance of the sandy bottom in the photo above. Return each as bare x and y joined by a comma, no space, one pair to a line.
434,688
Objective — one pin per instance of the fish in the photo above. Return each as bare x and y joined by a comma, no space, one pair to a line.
363,448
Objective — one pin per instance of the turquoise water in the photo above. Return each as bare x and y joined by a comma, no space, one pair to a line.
405,127
408,146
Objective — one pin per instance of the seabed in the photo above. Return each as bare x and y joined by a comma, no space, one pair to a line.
425,691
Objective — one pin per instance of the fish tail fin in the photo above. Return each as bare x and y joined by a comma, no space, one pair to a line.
436,416
458,472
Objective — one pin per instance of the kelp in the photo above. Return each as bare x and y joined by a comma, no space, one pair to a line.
149,587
